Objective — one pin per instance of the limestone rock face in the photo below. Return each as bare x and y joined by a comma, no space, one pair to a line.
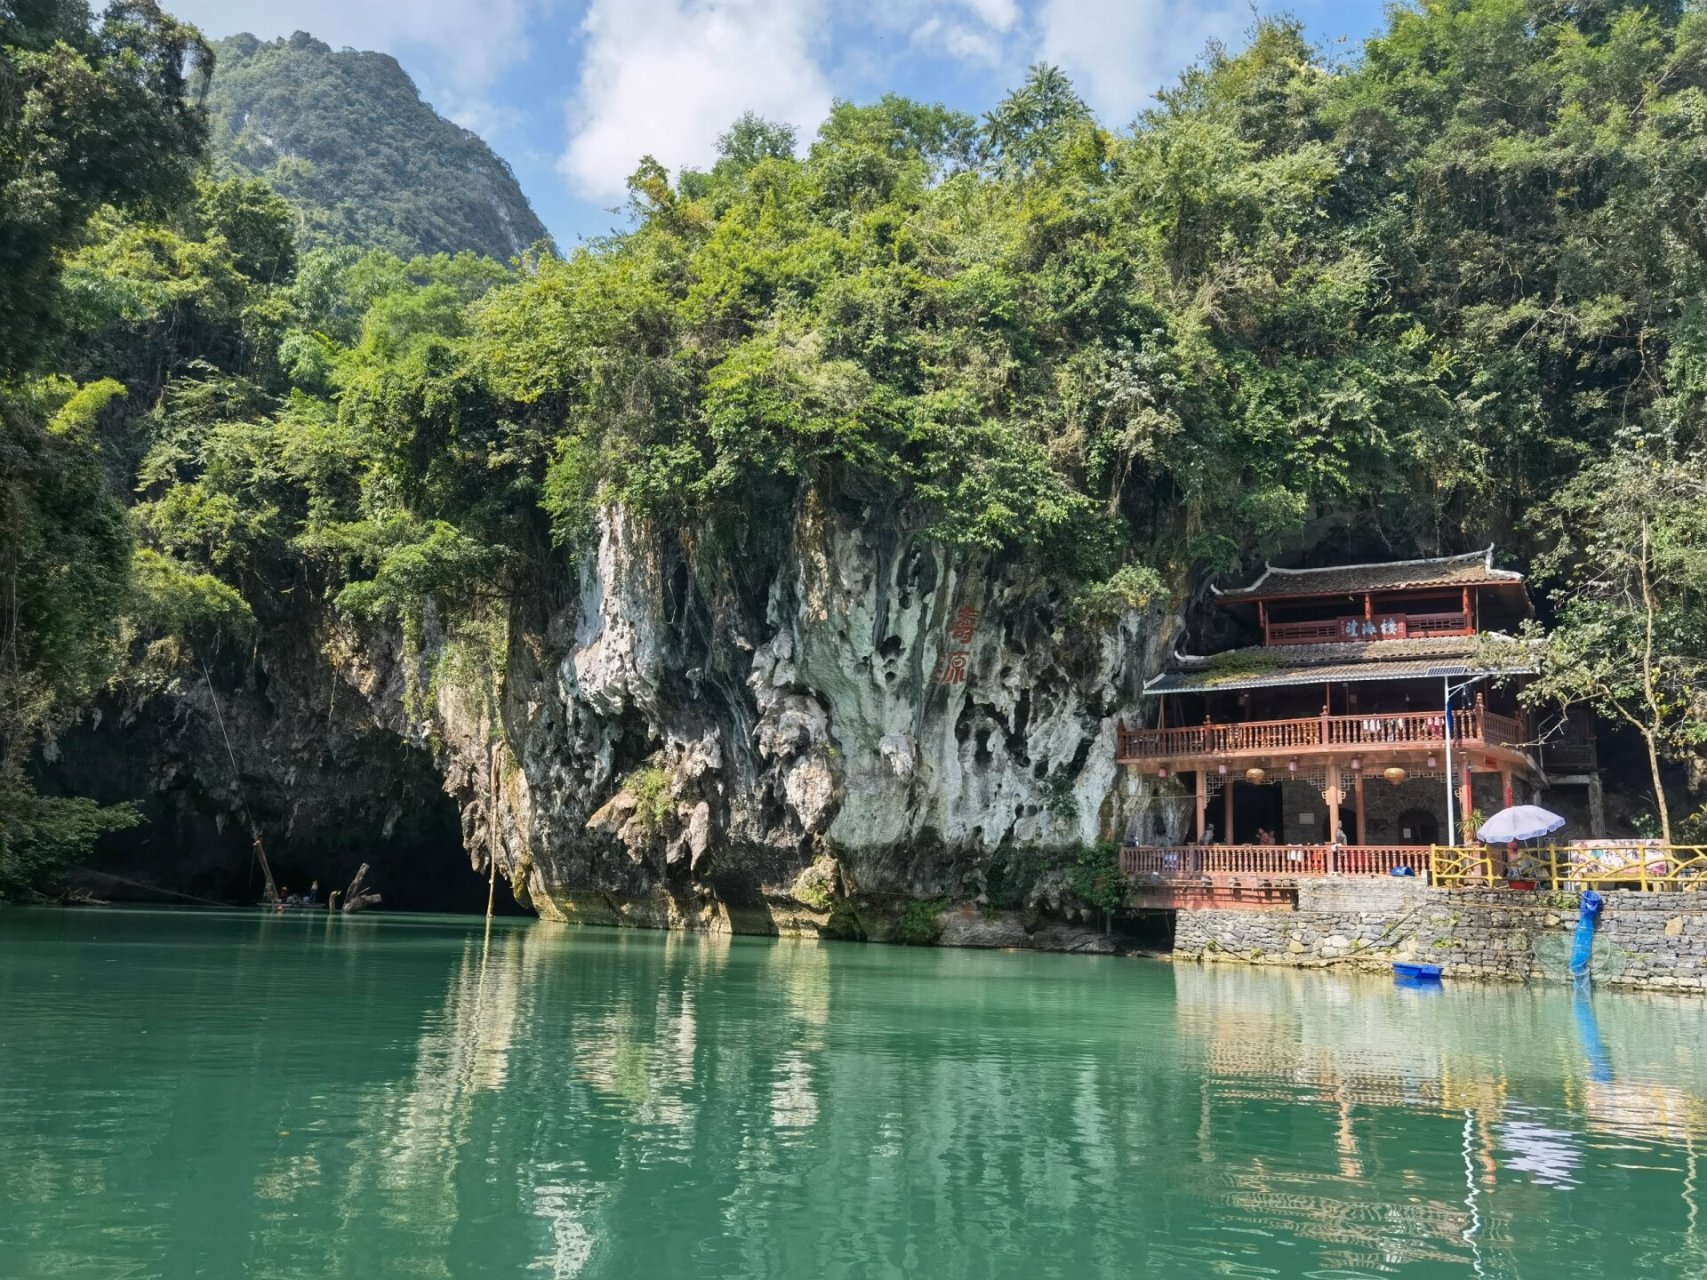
668,735
683,738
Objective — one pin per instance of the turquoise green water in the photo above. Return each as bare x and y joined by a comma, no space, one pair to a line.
297,1096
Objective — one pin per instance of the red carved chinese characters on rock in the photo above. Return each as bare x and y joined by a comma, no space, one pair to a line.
951,667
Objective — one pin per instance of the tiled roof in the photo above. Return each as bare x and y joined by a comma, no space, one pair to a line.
1258,668
1474,569
1416,669
1337,653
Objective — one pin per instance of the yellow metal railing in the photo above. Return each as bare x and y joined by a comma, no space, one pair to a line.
1609,864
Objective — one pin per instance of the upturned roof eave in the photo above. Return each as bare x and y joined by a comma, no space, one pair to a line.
1418,669
1261,588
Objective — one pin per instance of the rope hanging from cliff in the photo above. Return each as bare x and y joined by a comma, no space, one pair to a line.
237,781
492,851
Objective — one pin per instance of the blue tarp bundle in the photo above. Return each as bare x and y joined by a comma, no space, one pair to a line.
1582,945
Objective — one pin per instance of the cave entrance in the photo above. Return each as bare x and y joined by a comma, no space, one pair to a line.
383,805
423,868
1145,930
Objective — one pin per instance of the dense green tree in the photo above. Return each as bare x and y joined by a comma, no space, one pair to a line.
1629,566
1279,310
90,114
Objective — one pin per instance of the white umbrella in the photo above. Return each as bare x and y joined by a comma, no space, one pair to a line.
1520,822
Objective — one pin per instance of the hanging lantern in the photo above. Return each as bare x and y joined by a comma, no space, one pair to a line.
1357,764
1394,774
1431,760
1255,775
1162,772
1221,768
1292,766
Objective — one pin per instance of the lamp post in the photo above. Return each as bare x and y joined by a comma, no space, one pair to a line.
1451,804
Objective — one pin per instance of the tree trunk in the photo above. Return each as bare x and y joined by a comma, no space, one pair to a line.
1659,786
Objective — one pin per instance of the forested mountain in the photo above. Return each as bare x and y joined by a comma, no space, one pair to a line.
345,137
652,549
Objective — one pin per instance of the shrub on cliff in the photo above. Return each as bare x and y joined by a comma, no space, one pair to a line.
920,924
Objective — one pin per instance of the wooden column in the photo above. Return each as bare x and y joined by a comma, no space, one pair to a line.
1465,802
1227,809
1202,802
1262,616
1362,829
1505,785
1333,802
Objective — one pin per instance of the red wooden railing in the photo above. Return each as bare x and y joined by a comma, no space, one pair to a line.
1405,728
1216,862
1438,624
1500,730
1387,626
1268,737
1306,632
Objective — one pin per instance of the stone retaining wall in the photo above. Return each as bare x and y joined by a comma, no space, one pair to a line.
1645,940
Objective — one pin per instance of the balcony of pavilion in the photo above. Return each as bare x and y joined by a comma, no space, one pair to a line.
1347,690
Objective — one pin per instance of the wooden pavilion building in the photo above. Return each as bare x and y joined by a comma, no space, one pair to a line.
1337,736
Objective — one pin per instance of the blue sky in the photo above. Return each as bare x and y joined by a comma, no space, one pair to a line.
573,92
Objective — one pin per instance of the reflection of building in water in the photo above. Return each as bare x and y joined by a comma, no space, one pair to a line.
1645,1109
1531,1085
1363,1040
1374,1235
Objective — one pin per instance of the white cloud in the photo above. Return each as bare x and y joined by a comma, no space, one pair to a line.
1000,14
460,46
1119,52
666,77
960,40
973,31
